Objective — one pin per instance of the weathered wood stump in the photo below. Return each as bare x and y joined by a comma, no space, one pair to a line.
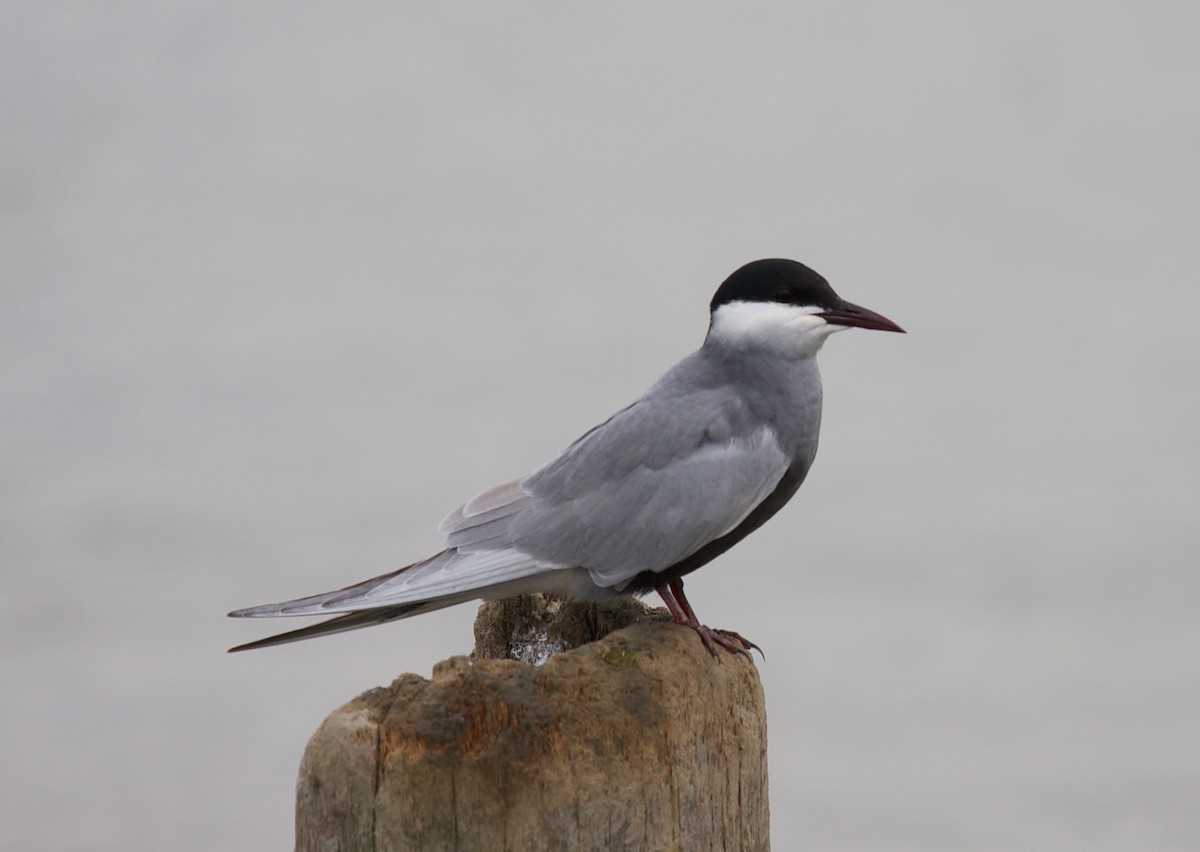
638,740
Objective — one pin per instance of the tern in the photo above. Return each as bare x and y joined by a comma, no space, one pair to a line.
667,484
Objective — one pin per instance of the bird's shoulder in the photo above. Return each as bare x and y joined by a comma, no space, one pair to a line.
680,415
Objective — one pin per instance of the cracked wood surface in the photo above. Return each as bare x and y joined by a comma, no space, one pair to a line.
638,740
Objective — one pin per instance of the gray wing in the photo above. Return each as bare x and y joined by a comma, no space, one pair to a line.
449,577
645,489
651,486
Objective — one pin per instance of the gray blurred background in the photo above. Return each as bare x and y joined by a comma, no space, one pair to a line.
283,286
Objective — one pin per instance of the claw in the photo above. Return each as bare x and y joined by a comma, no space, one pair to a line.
681,613
746,644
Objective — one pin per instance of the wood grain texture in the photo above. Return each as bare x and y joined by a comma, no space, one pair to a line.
639,740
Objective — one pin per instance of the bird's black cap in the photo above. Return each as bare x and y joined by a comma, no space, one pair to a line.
776,280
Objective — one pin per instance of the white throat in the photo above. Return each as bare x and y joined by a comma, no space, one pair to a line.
789,331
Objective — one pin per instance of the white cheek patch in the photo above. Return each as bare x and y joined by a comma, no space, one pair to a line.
790,330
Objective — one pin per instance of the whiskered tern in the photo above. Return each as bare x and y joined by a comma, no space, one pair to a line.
711,451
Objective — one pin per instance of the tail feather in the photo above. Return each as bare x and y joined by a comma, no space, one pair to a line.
558,583
351,621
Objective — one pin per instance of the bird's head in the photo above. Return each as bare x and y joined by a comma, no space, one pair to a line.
785,307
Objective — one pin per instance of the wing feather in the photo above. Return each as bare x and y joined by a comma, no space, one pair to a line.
647,488
449,574
651,486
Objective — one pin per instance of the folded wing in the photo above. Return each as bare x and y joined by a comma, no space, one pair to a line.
647,488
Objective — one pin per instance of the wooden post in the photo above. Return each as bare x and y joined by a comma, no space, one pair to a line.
638,740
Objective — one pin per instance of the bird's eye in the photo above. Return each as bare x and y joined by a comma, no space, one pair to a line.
785,294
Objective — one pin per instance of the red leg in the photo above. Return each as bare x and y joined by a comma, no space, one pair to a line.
682,613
